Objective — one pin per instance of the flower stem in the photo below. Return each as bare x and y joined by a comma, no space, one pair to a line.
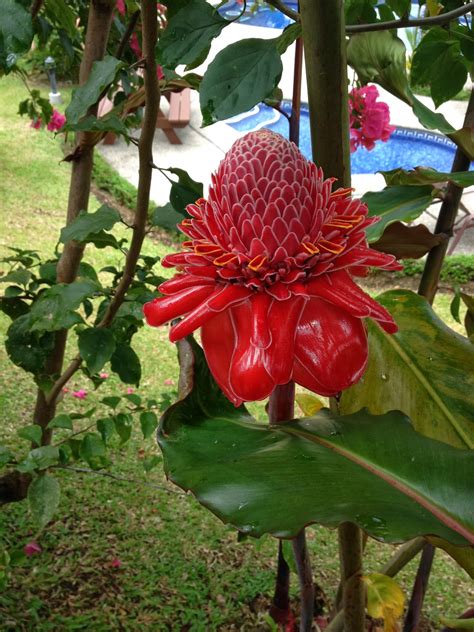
447,217
280,608
353,599
305,576
412,618
281,408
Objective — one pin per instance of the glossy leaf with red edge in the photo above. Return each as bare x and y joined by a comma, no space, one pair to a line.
426,370
373,470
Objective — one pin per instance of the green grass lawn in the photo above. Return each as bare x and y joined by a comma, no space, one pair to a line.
181,568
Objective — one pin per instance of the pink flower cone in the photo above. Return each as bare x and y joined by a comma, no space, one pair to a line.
268,275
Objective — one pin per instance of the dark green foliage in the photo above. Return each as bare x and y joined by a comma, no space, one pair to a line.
16,33
240,76
456,269
87,225
192,26
439,62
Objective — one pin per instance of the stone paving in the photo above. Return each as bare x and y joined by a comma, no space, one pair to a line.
203,148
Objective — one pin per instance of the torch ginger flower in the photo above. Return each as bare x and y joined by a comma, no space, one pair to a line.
267,275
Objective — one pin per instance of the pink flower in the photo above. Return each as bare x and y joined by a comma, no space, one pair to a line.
56,122
36,123
130,390
32,548
369,119
120,5
65,389
168,382
103,376
80,394
268,275
116,563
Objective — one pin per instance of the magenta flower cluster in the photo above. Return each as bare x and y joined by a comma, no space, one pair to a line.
369,119
55,124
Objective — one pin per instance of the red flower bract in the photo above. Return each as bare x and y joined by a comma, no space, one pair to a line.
267,275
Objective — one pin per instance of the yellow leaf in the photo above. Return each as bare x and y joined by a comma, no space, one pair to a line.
385,600
308,403
433,7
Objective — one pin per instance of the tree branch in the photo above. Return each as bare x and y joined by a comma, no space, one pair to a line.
283,8
322,23
98,27
447,217
145,153
405,23
127,34
115,477
36,8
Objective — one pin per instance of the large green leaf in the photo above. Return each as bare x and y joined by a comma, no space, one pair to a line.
96,346
63,14
424,175
375,471
396,203
380,56
55,308
126,364
102,75
16,32
28,350
401,7
88,225
240,76
43,497
438,62
166,217
360,11
185,191
425,370
189,32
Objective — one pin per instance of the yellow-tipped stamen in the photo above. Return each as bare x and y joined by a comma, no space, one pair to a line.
354,219
338,224
257,262
336,249
224,259
310,248
207,249
342,192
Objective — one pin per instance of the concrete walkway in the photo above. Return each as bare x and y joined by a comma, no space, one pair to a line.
204,148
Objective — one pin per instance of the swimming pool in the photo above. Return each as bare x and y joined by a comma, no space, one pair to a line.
268,16
407,148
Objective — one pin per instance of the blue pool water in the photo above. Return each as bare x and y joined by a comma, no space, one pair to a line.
267,16
407,148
